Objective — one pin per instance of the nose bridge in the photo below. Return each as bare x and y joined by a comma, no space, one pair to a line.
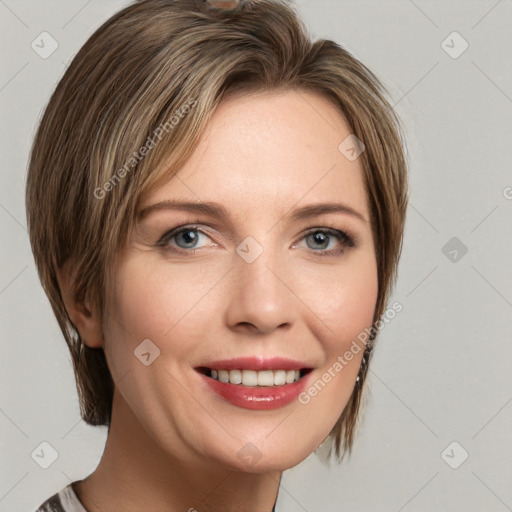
259,295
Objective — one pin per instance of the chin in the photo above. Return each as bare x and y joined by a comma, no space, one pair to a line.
263,456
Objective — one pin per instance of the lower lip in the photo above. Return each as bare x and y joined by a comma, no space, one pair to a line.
257,398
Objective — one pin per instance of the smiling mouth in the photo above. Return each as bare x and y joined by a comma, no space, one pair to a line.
253,378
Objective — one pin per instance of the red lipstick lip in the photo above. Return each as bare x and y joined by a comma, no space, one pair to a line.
257,397
256,363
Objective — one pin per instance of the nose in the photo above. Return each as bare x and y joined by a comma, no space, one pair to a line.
261,297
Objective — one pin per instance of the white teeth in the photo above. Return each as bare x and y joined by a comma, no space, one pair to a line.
235,377
249,378
266,378
253,378
279,377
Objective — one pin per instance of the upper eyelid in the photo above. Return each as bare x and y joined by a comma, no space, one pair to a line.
198,226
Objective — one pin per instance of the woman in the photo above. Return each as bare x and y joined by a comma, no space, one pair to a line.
216,207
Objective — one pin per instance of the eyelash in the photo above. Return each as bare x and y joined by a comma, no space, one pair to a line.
346,240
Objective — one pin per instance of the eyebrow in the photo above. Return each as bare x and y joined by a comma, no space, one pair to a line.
217,210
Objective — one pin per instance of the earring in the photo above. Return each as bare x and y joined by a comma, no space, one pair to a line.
363,363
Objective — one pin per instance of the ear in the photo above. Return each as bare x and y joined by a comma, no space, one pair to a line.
84,318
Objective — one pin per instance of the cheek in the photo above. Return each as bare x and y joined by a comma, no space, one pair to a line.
343,310
354,309
344,299
344,306
159,302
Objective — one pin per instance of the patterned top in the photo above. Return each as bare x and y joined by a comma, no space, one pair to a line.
66,500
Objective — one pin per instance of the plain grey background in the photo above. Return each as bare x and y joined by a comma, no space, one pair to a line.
442,368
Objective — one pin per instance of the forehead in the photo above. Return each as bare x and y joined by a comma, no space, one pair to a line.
270,150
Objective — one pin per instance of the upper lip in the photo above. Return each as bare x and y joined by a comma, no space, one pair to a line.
256,363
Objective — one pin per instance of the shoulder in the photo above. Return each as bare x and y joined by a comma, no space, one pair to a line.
65,500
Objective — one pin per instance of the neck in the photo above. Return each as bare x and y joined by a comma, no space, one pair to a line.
135,474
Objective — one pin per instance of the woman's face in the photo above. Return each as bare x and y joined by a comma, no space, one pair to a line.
262,280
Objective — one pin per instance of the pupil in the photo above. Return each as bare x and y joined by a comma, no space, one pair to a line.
189,236
320,238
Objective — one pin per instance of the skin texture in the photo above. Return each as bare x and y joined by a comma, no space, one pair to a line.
173,445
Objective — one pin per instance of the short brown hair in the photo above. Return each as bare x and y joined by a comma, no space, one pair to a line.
134,74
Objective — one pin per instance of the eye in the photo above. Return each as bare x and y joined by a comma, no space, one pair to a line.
322,241
319,239
186,238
